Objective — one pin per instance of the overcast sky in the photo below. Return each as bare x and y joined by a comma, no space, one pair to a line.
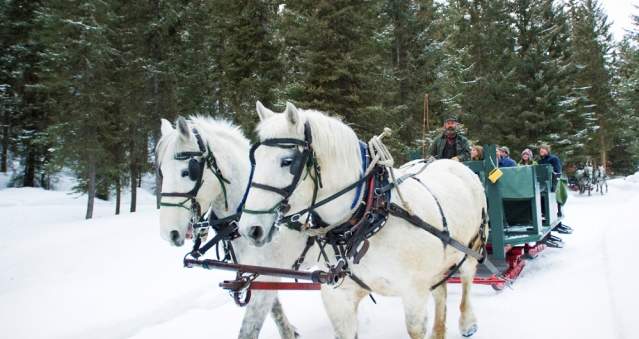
619,12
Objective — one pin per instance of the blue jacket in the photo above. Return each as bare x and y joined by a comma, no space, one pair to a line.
507,162
552,160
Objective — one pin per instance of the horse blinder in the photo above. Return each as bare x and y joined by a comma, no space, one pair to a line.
195,169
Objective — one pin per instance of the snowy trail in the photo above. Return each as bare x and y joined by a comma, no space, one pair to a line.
114,278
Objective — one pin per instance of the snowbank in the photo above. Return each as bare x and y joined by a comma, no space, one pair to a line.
633,178
114,278
4,179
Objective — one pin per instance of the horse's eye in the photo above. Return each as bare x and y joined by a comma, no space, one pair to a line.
185,173
286,162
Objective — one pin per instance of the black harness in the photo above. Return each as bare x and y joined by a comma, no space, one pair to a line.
303,159
226,228
349,240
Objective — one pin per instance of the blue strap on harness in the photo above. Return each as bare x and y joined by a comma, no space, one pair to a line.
363,150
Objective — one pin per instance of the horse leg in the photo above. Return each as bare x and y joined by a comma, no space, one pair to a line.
287,331
440,294
416,314
467,320
256,311
341,307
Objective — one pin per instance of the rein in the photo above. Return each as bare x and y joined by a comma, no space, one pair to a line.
226,228
305,160
196,172
348,240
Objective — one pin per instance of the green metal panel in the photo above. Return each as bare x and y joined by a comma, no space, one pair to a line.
518,183
495,207
548,198
521,206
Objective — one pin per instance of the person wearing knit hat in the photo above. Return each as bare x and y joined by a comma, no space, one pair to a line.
503,156
526,158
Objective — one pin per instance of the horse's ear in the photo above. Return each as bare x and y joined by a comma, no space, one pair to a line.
263,112
292,114
166,127
183,128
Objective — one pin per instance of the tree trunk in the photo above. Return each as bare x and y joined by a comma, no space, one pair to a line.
4,156
157,58
134,186
602,145
29,168
91,188
118,195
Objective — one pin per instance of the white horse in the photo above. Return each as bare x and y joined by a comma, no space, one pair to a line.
600,179
402,260
230,148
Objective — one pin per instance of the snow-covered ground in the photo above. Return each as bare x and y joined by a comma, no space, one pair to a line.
114,278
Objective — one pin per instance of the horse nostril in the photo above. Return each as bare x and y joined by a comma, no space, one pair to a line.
175,235
256,232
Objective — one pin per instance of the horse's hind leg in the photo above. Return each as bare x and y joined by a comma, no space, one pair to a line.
467,320
287,331
341,307
416,314
256,311
440,294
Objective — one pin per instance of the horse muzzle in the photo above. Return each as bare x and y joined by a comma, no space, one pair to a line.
256,235
176,238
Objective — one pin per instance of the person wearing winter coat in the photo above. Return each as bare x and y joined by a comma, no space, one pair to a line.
526,158
503,156
451,144
547,158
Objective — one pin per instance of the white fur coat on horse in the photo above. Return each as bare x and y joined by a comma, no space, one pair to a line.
402,260
186,173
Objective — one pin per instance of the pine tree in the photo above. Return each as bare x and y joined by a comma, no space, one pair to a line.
544,74
625,150
77,35
247,57
592,48
332,59
24,99
411,38
478,78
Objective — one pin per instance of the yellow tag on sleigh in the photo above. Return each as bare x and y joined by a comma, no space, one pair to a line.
494,175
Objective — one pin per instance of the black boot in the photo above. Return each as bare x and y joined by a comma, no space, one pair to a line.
563,229
554,244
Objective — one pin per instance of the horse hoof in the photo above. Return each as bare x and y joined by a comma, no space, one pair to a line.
470,331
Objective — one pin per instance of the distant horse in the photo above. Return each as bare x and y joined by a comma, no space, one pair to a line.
403,260
184,156
585,178
600,180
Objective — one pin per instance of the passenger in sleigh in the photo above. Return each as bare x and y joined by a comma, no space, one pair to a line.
503,157
548,158
526,158
477,153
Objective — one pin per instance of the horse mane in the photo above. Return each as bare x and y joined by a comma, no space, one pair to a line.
333,140
207,126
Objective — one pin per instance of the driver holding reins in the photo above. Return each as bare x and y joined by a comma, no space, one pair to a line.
451,144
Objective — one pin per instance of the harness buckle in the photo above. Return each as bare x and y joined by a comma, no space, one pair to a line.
296,218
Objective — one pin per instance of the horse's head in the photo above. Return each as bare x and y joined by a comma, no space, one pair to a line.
588,170
186,166
293,146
